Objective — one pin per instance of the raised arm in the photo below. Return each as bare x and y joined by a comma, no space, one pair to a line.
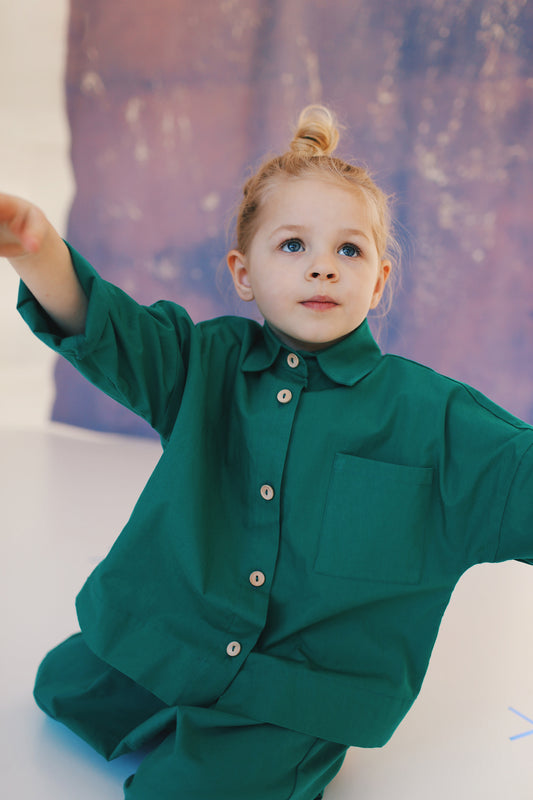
42,260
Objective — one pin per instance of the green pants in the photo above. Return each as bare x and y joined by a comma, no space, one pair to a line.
197,753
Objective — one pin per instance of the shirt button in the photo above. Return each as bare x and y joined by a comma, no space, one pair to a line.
267,492
284,396
257,578
233,649
293,360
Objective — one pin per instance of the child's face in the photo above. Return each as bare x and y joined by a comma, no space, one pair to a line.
312,266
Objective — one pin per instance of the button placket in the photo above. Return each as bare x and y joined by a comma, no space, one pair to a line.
276,401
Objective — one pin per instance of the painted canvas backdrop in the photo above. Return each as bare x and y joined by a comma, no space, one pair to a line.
171,101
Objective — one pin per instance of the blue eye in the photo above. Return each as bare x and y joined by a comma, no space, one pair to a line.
292,246
350,250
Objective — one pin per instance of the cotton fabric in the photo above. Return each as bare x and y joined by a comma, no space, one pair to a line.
385,482
194,753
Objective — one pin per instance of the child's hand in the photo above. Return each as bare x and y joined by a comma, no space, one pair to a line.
42,260
23,227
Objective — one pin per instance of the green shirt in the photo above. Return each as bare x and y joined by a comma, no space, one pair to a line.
293,552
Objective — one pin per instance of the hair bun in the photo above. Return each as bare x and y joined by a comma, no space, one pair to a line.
317,132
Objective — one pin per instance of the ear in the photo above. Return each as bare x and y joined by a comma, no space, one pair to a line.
238,266
383,275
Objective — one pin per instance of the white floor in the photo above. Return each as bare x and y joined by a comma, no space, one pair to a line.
65,494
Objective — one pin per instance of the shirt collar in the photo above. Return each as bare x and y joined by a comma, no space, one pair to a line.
345,362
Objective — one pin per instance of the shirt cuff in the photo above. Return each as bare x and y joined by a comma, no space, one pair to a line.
49,332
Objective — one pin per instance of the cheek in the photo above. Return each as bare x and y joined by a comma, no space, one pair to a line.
271,283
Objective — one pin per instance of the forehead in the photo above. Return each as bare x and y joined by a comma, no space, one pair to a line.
314,201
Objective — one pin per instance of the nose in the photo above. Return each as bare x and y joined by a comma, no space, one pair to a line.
323,268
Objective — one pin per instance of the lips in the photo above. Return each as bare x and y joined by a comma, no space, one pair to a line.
320,302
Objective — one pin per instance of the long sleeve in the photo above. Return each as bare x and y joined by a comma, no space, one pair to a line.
136,354
516,535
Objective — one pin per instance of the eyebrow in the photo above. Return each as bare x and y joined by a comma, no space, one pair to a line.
300,228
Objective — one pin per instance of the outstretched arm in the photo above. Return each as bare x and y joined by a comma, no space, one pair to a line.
42,260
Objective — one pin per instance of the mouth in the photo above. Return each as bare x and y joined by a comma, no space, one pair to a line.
319,302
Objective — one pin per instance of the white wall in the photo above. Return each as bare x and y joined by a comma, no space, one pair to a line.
34,163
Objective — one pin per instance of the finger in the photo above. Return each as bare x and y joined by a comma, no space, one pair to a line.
32,230
22,226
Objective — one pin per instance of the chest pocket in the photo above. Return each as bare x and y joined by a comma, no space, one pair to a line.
374,521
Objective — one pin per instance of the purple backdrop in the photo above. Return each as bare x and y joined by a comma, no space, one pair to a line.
170,102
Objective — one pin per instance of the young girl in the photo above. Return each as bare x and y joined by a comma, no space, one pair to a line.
277,591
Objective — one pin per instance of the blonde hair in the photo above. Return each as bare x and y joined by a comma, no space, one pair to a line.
310,153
